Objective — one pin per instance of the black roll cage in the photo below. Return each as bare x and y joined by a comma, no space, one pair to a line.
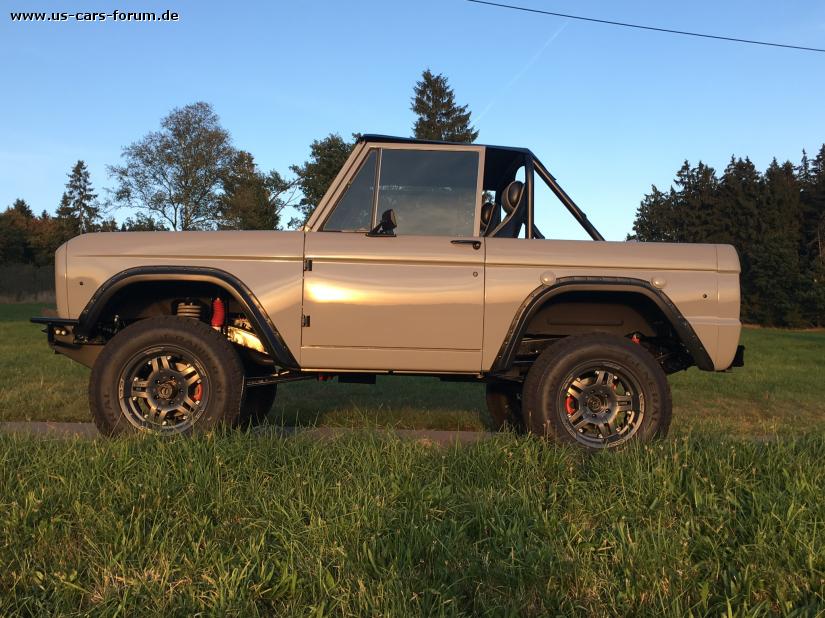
532,167
561,194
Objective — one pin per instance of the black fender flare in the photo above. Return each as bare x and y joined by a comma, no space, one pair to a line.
539,296
271,338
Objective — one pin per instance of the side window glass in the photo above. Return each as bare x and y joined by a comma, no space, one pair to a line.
353,212
433,192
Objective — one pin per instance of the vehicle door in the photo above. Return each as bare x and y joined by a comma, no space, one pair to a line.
409,300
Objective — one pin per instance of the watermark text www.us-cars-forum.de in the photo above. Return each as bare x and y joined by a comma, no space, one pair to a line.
86,16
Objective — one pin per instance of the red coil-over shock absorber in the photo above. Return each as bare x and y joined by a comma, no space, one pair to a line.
218,314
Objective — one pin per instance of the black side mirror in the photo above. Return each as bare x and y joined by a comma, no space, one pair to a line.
387,225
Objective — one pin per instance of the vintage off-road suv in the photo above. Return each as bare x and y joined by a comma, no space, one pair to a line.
423,258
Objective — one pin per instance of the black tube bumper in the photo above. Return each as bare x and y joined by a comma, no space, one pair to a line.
60,334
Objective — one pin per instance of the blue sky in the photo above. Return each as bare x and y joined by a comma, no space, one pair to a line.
610,111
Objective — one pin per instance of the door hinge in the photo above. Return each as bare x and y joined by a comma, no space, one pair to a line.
307,265
305,321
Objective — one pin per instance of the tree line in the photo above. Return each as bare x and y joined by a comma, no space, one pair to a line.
775,219
187,175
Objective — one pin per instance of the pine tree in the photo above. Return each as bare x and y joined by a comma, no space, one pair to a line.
657,219
815,212
22,208
250,200
740,197
803,170
697,203
812,250
776,221
79,212
439,118
66,222
774,276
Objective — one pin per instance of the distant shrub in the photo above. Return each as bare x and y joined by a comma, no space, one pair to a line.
26,283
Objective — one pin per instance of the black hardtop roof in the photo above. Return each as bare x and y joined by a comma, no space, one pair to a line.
370,137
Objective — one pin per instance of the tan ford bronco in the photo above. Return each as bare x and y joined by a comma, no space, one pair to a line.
423,258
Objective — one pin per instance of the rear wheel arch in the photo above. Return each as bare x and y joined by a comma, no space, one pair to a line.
577,300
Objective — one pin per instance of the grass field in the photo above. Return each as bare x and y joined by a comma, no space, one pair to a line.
365,525
707,522
777,392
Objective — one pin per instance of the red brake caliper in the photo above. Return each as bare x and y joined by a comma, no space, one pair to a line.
198,392
570,405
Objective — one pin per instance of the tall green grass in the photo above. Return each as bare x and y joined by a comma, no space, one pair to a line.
35,383
368,525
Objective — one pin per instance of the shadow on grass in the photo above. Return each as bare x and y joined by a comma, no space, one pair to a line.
394,401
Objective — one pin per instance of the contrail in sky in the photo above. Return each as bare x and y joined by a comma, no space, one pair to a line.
524,70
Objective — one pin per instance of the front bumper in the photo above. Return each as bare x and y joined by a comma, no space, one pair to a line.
60,334
54,323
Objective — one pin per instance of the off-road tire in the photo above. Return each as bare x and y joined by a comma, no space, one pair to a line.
218,364
503,409
547,405
256,404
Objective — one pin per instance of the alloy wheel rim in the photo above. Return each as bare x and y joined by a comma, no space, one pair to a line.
163,390
601,404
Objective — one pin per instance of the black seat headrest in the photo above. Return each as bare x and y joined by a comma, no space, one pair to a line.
486,213
511,198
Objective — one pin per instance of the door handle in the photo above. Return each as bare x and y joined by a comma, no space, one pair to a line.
476,243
